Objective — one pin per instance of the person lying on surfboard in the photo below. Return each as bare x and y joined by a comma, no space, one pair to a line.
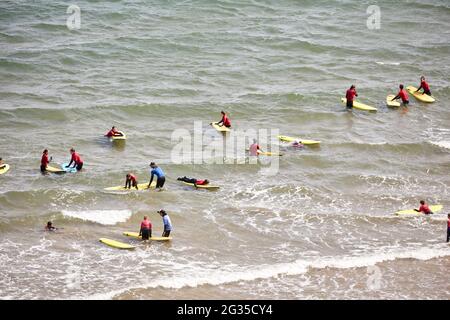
50,227
403,95
424,208
424,85
167,223
196,182
254,148
146,229
131,181
114,132
44,160
350,96
160,177
225,121
76,159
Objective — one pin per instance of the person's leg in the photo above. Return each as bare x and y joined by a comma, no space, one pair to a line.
149,233
160,182
79,166
135,184
43,169
349,104
145,234
428,92
166,233
448,234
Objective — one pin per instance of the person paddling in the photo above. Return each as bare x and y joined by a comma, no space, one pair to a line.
114,133
167,223
196,182
131,181
2,165
157,171
403,95
225,121
350,96
424,85
146,229
45,161
76,160
50,227
424,208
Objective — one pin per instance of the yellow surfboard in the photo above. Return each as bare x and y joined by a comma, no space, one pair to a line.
220,128
136,235
119,138
116,244
359,105
391,103
302,141
412,212
419,95
4,169
54,170
141,186
204,186
269,154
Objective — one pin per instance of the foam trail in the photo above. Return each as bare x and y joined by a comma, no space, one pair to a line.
105,217
442,144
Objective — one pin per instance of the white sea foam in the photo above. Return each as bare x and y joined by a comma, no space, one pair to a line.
106,217
388,63
442,144
203,276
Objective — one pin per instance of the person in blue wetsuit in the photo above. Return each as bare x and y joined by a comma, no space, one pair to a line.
157,171
167,223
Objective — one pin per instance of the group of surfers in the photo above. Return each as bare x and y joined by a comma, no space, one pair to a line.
402,94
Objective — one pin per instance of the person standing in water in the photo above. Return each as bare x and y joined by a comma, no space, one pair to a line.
76,160
131,181
45,161
424,208
350,96
167,223
146,229
403,95
157,171
225,121
424,85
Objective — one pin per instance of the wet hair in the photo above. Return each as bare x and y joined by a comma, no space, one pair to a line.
422,77
145,217
49,224
422,202
222,112
352,86
163,212
113,127
45,151
206,181
401,86
448,215
72,149
128,175
1,159
152,164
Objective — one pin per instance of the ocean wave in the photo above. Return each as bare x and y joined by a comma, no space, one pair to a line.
105,217
443,144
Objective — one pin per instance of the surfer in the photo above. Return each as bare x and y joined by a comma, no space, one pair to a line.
225,121
167,223
403,95
146,229
296,144
2,165
45,161
50,227
424,208
424,85
350,95
131,181
448,227
161,179
114,132
194,181
255,148
76,159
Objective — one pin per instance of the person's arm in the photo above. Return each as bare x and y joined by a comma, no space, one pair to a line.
126,183
71,160
221,121
396,97
151,180
419,87
356,94
140,231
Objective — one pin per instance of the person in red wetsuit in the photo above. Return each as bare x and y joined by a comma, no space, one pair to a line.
424,85
113,132
402,94
225,120
146,229
448,227
76,160
45,161
131,181
196,182
350,96
424,208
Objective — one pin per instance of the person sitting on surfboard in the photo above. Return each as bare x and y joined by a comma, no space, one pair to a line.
225,120
254,148
114,132
50,227
2,165
167,223
424,208
146,229
402,94
194,181
157,171
424,85
350,96
131,181
44,160
76,159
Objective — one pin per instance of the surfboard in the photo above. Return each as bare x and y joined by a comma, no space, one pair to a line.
54,170
4,169
390,103
220,128
302,141
205,186
136,235
141,186
119,138
116,244
269,154
412,212
359,105
419,95
70,170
